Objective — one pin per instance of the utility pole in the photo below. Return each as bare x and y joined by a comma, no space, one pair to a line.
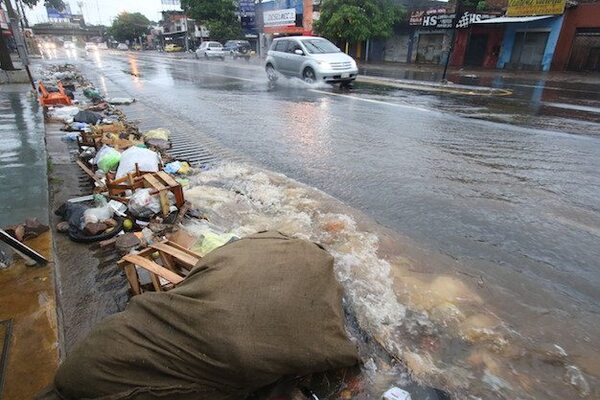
457,15
17,34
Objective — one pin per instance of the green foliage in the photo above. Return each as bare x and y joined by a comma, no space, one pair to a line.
217,15
357,20
222,31
128,26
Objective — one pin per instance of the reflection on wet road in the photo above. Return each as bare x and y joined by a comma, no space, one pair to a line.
516,207
23,192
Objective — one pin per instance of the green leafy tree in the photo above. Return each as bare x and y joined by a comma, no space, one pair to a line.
219,16
357,20
129,26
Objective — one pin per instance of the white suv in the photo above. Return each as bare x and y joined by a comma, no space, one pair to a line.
310,58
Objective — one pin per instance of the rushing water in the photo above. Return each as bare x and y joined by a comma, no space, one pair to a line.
443,329
492,289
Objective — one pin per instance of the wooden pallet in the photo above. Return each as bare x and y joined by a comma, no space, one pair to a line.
176,262
160,182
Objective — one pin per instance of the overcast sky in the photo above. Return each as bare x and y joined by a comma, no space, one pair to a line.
102,11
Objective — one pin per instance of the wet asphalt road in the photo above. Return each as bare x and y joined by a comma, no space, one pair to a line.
514,204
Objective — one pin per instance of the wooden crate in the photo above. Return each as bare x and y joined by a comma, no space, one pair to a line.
176,262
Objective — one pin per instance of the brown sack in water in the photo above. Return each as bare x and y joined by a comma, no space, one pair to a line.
249,313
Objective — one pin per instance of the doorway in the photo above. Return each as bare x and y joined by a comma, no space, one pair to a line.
528,50
475,54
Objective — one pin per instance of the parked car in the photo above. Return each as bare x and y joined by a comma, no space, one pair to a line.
102,46
136,46
210,50
312,59
122,46
172,47
68,45
238,48
90,46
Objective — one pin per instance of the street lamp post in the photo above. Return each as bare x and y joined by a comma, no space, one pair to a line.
457,13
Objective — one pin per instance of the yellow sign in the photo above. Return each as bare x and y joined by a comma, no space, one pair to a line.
521,8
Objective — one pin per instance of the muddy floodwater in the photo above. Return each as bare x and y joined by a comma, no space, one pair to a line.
469,239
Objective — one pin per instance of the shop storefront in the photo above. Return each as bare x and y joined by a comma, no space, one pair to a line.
476,45
430,41
531,31
528,42
578,47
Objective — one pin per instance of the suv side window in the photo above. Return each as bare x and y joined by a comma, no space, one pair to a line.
281,45
293,46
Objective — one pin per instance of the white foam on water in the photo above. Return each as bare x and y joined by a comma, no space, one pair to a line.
411,320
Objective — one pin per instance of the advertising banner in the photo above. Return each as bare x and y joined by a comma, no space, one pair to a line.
53,13
442,18
523,8
280,17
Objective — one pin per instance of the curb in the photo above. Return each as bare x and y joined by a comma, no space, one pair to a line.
434,86
16,76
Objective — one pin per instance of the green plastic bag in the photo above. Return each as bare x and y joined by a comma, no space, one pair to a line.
109,161
211,241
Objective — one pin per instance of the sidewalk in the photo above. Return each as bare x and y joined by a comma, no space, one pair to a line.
28,327
474,76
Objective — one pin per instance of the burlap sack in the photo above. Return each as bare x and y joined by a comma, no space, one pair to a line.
249,313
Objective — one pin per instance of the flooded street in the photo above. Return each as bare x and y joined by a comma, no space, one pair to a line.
491,201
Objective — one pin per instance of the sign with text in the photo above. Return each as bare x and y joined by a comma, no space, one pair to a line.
53,13
285,17
432,18
469,18
522,8
442,18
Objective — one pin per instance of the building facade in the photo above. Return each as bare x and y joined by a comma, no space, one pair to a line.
284,18
578,47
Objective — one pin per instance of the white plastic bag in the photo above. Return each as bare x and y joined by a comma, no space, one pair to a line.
144,205
64,114
147,160
100,213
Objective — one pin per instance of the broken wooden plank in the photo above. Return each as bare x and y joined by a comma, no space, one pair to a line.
153,267
28,251
133,279
168,179
179,255
89,172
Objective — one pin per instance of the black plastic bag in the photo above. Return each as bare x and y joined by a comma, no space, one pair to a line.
87,116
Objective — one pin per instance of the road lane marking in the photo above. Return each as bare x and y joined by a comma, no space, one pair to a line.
373,101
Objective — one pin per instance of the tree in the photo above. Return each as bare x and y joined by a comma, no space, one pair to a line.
219,16
5,60
129,26
357,20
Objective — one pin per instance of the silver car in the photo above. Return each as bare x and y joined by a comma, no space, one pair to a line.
210,50
310,58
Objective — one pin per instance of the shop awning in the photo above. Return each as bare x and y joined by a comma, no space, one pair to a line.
511,20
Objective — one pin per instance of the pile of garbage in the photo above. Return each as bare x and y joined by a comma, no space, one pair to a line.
137,184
